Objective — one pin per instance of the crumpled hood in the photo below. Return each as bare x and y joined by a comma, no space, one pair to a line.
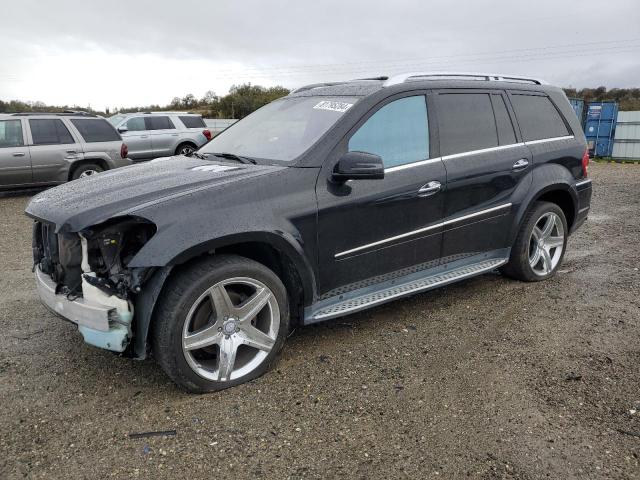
91,200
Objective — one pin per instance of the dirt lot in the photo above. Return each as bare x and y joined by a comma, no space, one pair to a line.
489,378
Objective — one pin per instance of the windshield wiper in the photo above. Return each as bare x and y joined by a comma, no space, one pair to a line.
233,156
197,155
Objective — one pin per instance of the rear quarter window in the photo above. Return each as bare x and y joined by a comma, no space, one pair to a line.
158,123
192,121
96,130
538,117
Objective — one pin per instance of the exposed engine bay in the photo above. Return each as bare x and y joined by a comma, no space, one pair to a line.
91,266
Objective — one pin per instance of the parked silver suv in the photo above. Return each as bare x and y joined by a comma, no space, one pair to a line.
161,134
51,148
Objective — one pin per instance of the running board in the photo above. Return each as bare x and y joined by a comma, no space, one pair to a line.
331,308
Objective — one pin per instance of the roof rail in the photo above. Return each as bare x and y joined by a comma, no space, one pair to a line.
162,112
76,112
380,78
316,85
59,114
403,77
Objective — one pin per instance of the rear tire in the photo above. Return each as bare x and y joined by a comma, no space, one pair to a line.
219,323
540,245
86,170
185,149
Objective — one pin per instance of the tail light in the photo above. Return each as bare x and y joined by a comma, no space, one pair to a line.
585,162
124,150
207,133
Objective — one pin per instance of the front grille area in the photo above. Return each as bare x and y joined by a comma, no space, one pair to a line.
45,248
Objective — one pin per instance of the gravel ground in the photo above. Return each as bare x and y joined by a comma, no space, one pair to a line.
489,378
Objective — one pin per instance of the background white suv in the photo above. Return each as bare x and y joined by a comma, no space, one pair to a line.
161,134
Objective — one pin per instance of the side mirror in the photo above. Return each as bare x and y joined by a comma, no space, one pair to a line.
358,166
123,129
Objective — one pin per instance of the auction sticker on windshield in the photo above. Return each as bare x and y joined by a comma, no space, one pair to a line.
333,106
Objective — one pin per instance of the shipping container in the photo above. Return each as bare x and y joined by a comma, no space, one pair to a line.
626,144
578,107
600,128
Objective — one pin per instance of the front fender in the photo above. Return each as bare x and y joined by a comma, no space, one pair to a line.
146,300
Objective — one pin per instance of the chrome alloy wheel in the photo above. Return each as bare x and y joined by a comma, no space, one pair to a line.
186,150
88,173
546,244
230,329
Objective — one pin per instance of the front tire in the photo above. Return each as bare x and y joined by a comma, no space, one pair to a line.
220,322
540,245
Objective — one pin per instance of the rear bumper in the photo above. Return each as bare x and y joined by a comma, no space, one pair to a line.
584,190
92,319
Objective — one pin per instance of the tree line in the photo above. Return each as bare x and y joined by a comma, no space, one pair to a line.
627,98
244,99
238,103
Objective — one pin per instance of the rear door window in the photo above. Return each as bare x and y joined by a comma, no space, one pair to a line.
398,132
192,121
11,134
158,123
466,122
96,130
538,117
49,132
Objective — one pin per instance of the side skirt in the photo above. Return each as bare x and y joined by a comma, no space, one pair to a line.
417,282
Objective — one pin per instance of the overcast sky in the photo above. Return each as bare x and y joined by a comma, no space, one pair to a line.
138,52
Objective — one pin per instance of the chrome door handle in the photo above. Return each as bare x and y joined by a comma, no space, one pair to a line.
174,134
429,189
18,154
144,136
520,165
73,152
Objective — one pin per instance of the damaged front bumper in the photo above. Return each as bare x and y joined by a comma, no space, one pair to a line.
100,325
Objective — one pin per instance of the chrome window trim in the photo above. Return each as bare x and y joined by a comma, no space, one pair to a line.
583,182
422,230
412,164
483,150
545,140
475,152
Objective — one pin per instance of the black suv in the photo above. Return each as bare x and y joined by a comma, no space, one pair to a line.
334,199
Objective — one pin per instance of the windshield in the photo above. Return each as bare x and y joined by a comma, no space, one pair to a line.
281,130
115,120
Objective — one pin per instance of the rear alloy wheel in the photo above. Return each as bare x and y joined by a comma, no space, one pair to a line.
86,170
185,149
546,244
220,323
540,245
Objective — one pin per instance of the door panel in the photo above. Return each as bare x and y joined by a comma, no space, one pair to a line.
482,186
15,160
137,138
368,229
163,134
52,148
486,164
